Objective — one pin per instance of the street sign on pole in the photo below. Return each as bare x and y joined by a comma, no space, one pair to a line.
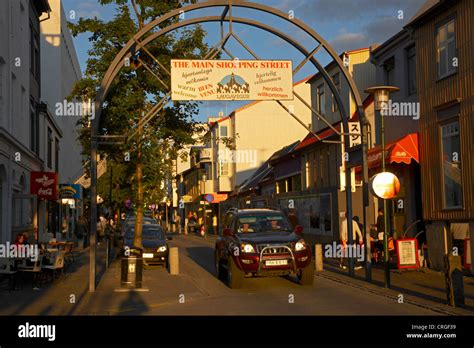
209,198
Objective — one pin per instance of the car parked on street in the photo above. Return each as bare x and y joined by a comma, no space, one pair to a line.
154,241
261,242
132,220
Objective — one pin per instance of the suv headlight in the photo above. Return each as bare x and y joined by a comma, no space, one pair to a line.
247,248
162,248
300,245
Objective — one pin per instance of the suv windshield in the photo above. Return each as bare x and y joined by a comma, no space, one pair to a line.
148,232
262,223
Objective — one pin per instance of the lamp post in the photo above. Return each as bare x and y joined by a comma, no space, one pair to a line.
381,99
204,178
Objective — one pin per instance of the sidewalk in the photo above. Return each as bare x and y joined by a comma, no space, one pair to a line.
69,295
421,287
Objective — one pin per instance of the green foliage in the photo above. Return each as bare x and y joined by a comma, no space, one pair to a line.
135,90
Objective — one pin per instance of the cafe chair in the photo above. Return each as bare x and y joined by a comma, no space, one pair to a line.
35,270
7,270
68,251
57,263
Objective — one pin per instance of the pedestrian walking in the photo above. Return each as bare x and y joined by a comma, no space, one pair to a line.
101,226
293,218
81,231
356,233
177,221
214,224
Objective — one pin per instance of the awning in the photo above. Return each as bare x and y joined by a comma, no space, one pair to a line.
404,150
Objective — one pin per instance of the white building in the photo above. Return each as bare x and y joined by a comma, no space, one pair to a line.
60,70
20,121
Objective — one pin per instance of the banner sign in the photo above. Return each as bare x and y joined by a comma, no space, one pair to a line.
85,181
70,191
407,252
231,79
44,185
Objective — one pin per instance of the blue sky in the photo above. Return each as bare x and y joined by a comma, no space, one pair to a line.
345,24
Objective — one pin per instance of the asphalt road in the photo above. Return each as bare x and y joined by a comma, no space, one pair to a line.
266,296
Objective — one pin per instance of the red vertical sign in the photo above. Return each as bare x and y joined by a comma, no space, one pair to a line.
44,185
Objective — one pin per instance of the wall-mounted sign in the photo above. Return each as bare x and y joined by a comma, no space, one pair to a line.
355,137
70,191
385,185
44,185
85,181
231,79
187,199
407,251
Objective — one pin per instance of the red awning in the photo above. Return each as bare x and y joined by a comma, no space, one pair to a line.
404,150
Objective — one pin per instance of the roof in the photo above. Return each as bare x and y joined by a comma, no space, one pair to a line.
266,169
426,9
333,62
402,34
41,6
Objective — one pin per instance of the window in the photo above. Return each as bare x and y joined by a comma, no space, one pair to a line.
452,178
389,70
223,131
34,53
411,70
446,49
320,94
50,149
56,155
223,168
34,128
337,83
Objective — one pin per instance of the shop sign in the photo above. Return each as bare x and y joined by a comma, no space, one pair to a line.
44,185
407,252
385,185
231,79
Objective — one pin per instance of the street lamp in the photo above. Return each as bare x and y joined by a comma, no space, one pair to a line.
204,178
381,99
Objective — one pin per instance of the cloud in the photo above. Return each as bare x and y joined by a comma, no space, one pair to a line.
342,10
348,41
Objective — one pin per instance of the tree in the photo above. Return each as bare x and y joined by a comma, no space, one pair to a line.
134,92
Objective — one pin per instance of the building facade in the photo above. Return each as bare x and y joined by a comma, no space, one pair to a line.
321,203
395,62
21,138
443,32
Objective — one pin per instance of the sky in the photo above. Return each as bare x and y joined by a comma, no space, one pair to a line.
345,24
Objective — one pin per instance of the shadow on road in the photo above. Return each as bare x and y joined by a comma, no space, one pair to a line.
203,256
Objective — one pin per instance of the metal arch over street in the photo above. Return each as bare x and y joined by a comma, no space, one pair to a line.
134,45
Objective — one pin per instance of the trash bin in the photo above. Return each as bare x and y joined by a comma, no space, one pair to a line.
132,266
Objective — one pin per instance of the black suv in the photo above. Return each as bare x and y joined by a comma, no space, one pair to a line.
261,242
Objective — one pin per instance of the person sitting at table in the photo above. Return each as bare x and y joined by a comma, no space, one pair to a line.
20,239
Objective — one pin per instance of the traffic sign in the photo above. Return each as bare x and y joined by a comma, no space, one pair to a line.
209,198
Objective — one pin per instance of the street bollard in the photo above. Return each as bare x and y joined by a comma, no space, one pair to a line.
319,257
454,280
174,261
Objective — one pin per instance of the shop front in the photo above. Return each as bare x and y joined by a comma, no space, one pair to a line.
402,159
